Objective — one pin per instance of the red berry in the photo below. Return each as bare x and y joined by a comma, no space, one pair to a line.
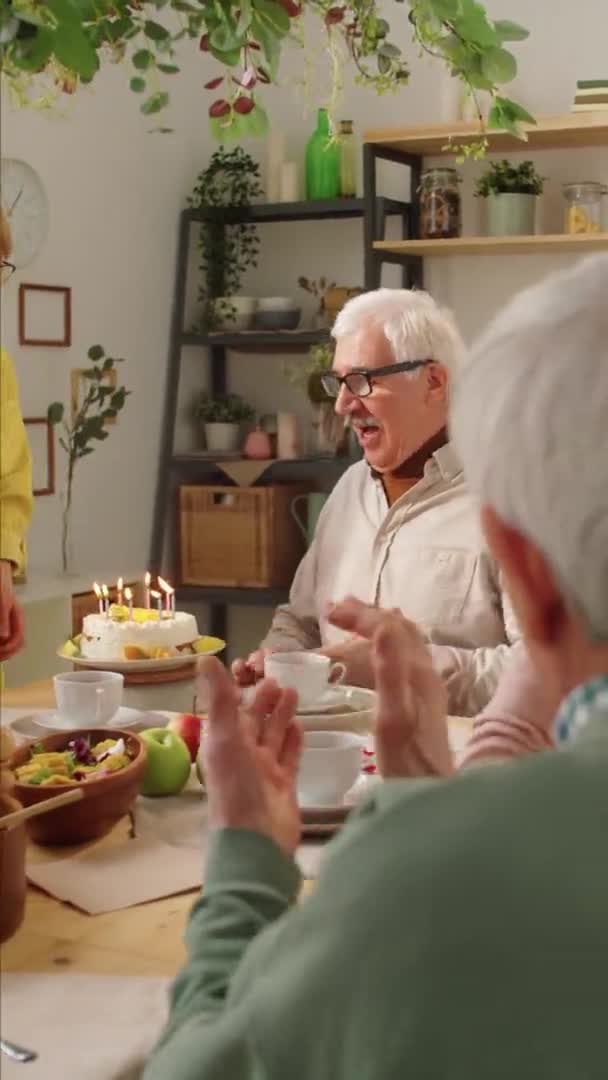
219,108
244,105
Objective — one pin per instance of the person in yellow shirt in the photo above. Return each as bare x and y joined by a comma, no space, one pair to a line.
15,483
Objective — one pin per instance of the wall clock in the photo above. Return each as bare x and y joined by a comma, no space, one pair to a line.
26,206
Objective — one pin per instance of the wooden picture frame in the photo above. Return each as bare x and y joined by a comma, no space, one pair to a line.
77,382
39,323
42,446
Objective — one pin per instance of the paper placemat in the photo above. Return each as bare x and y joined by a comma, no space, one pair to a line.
166,856
85,1027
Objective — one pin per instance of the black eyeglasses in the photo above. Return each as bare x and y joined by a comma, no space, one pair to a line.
6,269
360,381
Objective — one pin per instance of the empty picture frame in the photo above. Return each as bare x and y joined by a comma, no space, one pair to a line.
79,387
42,445
45,315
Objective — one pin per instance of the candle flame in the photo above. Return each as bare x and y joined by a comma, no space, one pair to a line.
147,578
164,585
155,594
97,590
128,594
104,590
119,584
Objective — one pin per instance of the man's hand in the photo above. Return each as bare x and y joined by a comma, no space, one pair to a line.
410,724
248,672
12,624
251,757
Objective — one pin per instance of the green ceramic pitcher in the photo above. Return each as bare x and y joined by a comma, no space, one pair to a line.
314,504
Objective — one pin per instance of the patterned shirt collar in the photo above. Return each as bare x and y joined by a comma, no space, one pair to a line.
578,708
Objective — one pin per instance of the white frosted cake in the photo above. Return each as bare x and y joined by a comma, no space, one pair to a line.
115,636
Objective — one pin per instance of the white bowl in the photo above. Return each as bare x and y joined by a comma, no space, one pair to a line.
329,767
276,303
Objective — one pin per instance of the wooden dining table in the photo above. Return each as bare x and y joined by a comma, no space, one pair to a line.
56,937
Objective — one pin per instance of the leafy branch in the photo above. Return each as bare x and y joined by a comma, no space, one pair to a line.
65,41
101,403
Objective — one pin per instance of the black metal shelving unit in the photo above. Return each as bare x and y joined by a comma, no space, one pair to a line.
374,212
374,217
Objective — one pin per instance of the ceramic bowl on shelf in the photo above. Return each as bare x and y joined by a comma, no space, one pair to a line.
277,320
276,303
105,800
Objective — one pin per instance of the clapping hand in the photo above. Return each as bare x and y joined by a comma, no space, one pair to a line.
251,757
12,625
410,724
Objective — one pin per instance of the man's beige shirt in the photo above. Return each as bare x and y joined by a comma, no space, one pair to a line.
424,555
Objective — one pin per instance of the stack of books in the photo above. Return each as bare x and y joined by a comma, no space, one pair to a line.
591,95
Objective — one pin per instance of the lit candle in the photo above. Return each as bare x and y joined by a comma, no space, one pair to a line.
159,601
172,603
106,599
119,591
167,591
97,592
129,599
147,581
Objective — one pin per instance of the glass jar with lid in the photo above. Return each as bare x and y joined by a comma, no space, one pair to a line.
584,206
440,204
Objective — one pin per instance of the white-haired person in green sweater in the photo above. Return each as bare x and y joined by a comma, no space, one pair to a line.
459,928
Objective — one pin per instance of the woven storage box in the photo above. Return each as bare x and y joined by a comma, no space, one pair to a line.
238,536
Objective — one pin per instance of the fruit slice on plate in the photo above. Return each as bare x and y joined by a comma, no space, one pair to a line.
207,644
72,646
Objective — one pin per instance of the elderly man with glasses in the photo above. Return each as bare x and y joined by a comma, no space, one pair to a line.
399,529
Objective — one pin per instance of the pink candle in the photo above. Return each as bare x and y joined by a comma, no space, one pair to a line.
159,601
119,584
147,581
167,590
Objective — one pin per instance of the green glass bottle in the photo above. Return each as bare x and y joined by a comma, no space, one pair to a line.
322,162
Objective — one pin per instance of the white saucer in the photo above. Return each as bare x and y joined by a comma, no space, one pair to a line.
124,718
335,697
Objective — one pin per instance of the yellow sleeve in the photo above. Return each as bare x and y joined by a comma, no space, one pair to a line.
15,469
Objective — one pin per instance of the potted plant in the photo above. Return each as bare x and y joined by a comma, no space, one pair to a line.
511,193
330,433
101,404
228,248
223,417
319,290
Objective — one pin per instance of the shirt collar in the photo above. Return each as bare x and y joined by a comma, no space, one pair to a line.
577,709
447,462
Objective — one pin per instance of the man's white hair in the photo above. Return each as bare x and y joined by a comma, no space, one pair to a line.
530,422
414,326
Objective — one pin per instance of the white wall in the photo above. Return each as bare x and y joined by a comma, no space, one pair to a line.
115,192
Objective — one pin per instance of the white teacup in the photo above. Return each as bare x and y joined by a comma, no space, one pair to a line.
306,672
329,766
87,698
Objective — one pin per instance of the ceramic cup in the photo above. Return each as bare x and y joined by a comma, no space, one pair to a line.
309,674
87,698
329,766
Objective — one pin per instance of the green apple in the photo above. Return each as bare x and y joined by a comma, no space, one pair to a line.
168,765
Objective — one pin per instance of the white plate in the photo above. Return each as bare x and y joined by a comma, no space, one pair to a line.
167,663
334,698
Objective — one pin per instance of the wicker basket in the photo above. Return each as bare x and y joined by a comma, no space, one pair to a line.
238,536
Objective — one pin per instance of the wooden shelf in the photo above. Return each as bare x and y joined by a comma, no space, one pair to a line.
565,131
259,340
496,245
282,469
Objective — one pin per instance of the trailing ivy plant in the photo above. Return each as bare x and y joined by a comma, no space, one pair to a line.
227,249
65,42
102,402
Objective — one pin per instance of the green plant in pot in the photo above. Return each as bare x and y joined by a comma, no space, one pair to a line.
511,194
223,417
228,248
330,435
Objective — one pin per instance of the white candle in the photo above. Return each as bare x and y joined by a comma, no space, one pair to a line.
119,585
275,152
171,601
147,581
159,601
99,596
167,590
289,182
106,599
129,599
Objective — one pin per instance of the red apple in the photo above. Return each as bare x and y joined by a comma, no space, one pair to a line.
188,727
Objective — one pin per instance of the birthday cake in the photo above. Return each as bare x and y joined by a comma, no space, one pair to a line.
137,634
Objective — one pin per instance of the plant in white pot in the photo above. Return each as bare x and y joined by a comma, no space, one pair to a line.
228,243
223,417
511,194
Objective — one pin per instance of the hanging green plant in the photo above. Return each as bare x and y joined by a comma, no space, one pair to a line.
58,44
227,250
